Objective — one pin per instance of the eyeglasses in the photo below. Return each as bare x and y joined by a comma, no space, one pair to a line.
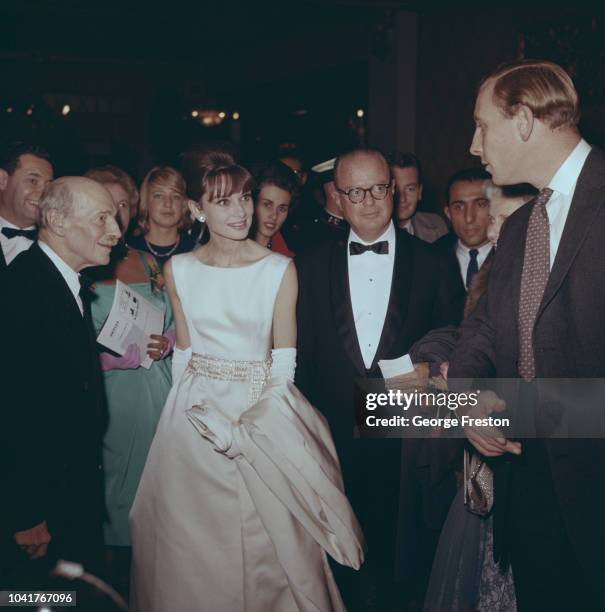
358,194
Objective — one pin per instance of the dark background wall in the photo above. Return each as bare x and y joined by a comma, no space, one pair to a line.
457,47
295,71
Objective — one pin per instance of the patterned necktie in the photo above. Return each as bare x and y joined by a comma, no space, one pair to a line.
536,268
380,248
473,267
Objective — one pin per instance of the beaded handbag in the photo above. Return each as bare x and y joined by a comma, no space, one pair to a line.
478,484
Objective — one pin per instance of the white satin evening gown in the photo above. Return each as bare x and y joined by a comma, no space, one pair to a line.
241,496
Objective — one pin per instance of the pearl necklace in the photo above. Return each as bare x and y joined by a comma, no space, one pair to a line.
167,253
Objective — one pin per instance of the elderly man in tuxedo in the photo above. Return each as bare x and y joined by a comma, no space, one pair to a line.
53,414
365,298
25,170
542,319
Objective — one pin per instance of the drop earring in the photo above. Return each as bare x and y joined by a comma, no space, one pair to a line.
201,218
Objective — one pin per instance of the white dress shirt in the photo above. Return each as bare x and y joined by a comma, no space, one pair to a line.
464,257
563,184
370,278
11,247
69,274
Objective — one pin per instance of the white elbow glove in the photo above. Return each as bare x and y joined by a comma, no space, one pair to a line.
180,359
284,363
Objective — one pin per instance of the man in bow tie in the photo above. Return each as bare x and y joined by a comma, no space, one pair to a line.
365,298
25,170
52,411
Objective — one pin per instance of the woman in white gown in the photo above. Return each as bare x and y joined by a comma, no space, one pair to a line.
241,496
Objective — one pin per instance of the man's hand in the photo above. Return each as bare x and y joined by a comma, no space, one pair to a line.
34,542
489,441
418,379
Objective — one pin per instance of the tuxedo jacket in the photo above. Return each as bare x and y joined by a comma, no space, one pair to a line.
568,341
426,293
428,226
53,412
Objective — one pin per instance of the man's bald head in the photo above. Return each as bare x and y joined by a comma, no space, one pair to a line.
357,156
63,194
363,180
77,220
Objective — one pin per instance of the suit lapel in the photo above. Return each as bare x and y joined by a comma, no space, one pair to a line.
401,281
57,287
587,201
341,305
2,259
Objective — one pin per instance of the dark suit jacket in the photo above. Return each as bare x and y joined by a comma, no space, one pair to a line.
447,246
426,293
53,413
569,336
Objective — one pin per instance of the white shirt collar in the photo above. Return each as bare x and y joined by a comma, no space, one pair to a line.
69,274
565,179
5,223
388,235
483,250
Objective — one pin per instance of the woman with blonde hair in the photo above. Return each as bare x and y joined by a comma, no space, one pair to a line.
163,216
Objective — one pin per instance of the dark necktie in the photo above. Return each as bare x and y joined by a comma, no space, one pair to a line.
12,232
536,269
380,248
473,267
84,293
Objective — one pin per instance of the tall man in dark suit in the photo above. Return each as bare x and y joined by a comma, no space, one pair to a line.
363,299
542,319
53,415
25,170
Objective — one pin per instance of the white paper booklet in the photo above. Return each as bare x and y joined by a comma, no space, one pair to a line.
391,368
132,320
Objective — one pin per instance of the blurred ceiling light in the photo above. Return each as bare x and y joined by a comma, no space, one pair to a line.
194,114
29,111
209,118
9,109
66,109
301,112
235,116
360,112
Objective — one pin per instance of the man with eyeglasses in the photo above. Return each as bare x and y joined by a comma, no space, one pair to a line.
362,299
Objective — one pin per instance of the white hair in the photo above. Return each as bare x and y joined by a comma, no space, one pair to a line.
58,198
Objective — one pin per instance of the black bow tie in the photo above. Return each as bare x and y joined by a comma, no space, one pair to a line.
380,248
11,232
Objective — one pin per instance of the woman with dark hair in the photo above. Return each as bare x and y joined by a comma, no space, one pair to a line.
276,196
242,494
163,215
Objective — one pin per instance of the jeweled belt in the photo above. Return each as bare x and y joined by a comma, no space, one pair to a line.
255,372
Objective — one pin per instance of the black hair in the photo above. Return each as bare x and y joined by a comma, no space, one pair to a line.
280,175
468,175
10,154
